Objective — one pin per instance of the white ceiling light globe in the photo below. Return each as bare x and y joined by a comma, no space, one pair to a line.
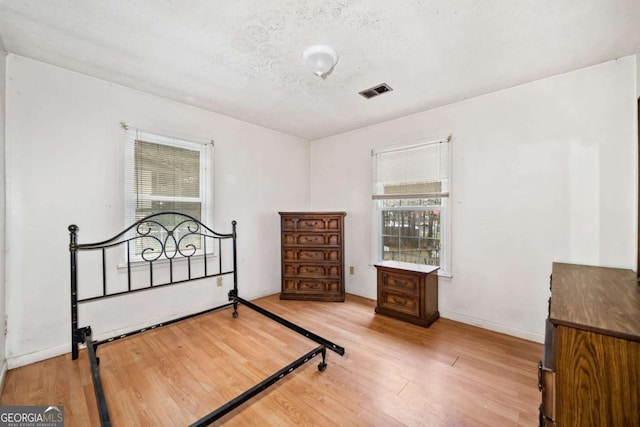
320,59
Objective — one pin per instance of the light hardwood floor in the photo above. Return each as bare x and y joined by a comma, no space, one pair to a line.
393,373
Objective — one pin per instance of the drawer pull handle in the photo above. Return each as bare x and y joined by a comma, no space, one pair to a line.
311,223
310,255
400,301
540,376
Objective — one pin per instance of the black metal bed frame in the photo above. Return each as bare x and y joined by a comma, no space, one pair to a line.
176,239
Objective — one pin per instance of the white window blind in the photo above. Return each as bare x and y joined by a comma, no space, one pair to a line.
416,171
164,174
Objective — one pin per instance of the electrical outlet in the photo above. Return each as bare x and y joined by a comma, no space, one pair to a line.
219,281
352,270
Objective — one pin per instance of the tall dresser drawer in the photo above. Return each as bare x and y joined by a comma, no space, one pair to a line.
313,223
312,286
310,254
312,239
312,270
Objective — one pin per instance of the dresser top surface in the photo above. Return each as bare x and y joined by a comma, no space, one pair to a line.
397,265
600,299
312,213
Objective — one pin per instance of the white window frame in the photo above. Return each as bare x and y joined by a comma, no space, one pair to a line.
205,197
444,208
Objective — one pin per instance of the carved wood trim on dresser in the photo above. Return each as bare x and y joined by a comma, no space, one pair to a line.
408,292
312,253
590,375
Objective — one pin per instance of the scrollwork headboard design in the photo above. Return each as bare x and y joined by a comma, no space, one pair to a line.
166,240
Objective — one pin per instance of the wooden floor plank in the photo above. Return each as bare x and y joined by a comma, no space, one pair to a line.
393,373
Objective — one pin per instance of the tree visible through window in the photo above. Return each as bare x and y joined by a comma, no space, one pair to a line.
411,230
411,189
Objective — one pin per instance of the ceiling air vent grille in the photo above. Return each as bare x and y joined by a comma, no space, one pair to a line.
376,90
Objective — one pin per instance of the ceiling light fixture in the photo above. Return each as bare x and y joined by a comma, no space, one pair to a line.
320,59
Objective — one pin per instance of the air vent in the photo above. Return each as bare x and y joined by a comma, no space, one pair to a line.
376,90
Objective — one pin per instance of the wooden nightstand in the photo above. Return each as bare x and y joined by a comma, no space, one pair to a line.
408,292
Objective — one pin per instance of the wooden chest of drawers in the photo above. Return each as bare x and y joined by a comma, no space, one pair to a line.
408,292
590,373
312,255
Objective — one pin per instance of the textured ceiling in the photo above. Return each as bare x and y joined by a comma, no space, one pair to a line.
242,58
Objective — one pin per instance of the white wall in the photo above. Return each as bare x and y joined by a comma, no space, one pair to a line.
3,63
542,172
64,166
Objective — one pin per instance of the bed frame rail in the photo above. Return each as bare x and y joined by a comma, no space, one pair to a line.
253,391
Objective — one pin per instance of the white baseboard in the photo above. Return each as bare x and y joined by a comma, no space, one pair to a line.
484,324
37,356
258,295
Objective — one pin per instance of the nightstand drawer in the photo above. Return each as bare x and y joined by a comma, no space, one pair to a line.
401,283
401,303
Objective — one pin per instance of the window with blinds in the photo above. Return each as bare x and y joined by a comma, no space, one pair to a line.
412,172
166,178
164,174
411,189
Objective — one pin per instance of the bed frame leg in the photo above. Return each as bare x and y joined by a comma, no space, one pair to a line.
323,365
73,251
233,296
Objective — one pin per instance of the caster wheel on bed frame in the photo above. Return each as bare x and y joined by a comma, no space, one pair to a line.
322,366
235,314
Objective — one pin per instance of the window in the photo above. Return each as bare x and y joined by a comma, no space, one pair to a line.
411,192
164,174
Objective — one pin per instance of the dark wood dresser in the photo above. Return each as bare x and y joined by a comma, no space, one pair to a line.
312,255
590,374
408,292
